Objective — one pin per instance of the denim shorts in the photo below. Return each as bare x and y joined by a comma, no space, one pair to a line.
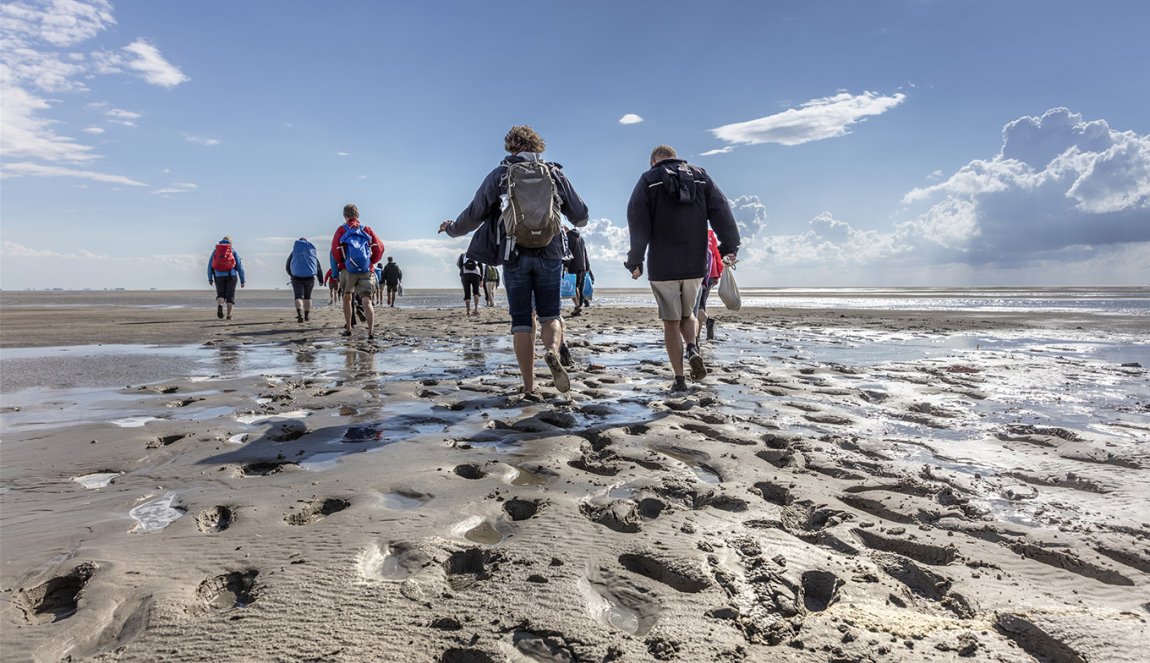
532,285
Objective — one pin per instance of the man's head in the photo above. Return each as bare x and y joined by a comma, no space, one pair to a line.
662,152
523,139
390,259
350,212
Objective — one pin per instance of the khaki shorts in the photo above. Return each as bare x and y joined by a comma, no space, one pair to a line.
360,284
676,299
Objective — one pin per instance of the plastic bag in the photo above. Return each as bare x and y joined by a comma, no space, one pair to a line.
729,289
399,290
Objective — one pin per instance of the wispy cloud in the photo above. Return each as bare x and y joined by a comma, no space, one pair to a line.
630,118
26,133
121,116
817,119
202,140
151,66
178,187
43,170
343,154
95,131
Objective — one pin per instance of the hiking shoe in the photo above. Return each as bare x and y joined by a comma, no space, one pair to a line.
679,385
220,311
558,373
298,316
710,329
576,313
307,315
698,368
362,316
564,354
345,333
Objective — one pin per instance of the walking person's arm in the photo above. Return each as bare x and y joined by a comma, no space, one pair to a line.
639,227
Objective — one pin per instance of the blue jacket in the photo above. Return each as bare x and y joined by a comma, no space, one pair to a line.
238,271
484,212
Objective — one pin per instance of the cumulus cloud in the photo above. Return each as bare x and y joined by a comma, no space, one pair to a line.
630,118
817,119
1058,184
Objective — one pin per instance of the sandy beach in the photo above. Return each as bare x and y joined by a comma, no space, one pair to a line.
846,485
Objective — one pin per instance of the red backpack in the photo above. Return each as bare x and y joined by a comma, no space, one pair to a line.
223,260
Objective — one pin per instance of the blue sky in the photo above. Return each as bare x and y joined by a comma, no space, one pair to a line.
884,143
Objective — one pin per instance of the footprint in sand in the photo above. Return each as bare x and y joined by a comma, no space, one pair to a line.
470,471
56,599
229,591
466,568
820,589
618,603
215,519
405,499
265,468
392,562
165,440
316,509
521,509
679,574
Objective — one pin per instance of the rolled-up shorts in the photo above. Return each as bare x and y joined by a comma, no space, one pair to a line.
361,284
676,299
226,288
532,286
301,286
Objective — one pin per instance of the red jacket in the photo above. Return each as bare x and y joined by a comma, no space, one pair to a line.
716,259
337,248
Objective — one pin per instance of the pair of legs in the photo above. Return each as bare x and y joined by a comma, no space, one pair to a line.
301,289
362,286
471,292
391,294
225,295
533,293
701,311
676,300
489,291
378,296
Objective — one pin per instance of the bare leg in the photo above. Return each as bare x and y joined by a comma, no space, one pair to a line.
673,339
524,343
230,307
347,312
369,311
552,335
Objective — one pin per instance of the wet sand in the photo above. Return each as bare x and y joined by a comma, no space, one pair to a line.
844,486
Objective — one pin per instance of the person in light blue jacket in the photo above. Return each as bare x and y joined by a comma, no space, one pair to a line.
224,269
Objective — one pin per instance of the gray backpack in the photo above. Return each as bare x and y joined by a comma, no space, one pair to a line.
531,207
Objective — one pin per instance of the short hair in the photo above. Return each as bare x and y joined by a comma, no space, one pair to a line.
523,139
662,152
350,211
390,259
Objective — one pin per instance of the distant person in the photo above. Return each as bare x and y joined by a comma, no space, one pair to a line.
470,275
520,229
714,271
379,283
490,283
579,265
392,277
667,217
332,281
302,266
225,269
355,248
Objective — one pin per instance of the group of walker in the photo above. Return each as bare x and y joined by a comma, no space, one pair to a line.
681,229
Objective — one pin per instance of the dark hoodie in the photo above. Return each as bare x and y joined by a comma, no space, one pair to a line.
667,217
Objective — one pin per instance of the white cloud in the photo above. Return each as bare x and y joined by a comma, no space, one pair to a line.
152,66
202,140
1059,186
630,118
178,187
96,131
42,170
817,119
718,150
60,23
25,133
343,154
121,116
14,250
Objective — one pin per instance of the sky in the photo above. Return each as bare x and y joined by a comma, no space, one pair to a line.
861,144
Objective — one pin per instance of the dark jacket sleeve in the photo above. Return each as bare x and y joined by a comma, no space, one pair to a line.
722,219
573,206
287,265
482,206
638,224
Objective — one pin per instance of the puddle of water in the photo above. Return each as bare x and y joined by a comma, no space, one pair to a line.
239,438
531,475
204,413
256,418
484,533
133,422
402,500
387,563
606,609
96,480
322,461
155,515
692,459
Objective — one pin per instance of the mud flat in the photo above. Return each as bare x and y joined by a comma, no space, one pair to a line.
844,486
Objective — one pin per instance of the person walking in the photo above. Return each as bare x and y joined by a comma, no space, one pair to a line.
578,265
332,282
378,297
225,269
714,271
355,248
667,218
392,277
518,226
302,266
470,274
490,283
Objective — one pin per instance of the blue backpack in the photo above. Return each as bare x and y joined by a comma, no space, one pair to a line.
303,259
356,250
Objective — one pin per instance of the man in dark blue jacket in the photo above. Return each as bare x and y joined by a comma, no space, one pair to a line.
667,217
531,275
